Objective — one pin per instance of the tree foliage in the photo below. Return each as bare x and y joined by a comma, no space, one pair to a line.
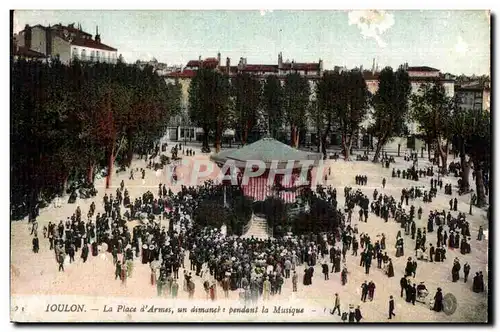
67,121
391,105
296,94
210,104
353,104
433,111
247,92
328,106
272,100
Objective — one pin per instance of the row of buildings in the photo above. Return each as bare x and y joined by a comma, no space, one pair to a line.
64,42
471,95
70,41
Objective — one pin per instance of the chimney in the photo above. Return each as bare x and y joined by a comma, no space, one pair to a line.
320,65
199,58
218,59
373,67
27,36
280,60
48,41
97,36
228,65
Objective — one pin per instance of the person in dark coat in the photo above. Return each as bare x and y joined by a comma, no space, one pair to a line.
431,253
391,307
413,294
466,271
357,314
85,253
36,244
324,266
364,291
352,314
455,203
371,290
475,283
438,301
403,283
390,269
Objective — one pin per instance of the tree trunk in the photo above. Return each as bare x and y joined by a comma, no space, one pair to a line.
111,161
481,195
464,186
205,138
346,145
323,146
443,154
429,151
90,173
244,137
293,136
380,143
130,150
377,152
436,155
218,134
65,184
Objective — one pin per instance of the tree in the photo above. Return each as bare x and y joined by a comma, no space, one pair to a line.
296,94
209,104
433,110
328,105
353,105
390,105
247,95
478,147
68,120
272,100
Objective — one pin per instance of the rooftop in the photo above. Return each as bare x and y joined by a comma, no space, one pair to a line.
90,43
267,150
422,68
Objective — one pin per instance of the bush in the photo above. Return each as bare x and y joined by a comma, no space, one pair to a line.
275,211
322,217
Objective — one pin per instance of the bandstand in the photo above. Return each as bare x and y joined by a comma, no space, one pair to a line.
276,157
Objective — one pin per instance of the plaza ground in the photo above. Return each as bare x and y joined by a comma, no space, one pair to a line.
37,274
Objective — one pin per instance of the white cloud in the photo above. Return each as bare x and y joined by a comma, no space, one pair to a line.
372,23
263,12
461,46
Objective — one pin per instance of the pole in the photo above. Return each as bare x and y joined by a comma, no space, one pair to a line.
470,204
225,201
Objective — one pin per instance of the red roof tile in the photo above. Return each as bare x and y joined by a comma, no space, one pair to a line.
183,74
90,43
193,63
261,68
71,29
306,66
211,60
422,68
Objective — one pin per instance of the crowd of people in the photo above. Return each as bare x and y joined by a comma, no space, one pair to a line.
258,268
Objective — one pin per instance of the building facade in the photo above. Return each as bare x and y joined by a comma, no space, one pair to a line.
473,96
66,43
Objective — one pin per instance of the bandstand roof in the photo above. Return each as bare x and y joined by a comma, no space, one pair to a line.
267,150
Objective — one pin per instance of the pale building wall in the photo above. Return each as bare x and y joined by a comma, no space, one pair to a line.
38,40
61,48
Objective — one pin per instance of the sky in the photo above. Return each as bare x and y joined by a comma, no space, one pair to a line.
453,41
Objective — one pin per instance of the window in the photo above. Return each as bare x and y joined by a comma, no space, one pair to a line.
75,52
97,56
84,55
92,55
